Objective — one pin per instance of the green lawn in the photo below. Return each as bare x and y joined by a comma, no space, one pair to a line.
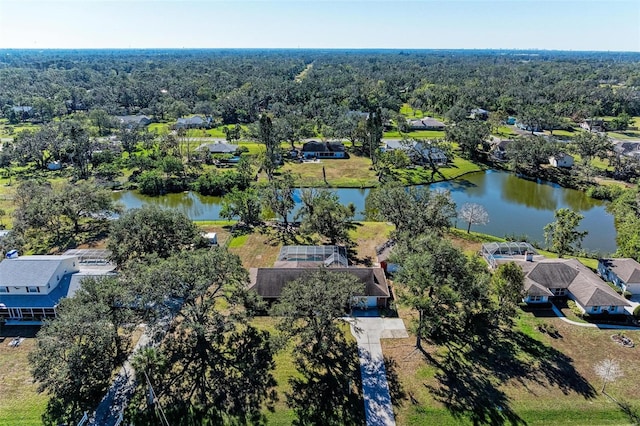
354,172
20,403
415,134
549,381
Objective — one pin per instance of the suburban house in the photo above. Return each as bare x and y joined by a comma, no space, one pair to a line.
218,148
623,272
22,113
315,149
499,148
195,122
133,121
418,152
548,278
295,262
561,160
629,149
568,277
426,123
593,125
479,114
32,286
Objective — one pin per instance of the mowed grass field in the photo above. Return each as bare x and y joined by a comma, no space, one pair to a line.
20,403
549,381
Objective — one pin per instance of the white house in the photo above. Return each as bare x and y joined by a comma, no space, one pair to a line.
32,286
561,160
623,272
211,237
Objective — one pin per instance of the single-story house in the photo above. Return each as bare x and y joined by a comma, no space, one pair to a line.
623,272
479,114
629,149
32,286
418,152
218,148
499,148
315,149
132,121
510,121
195,122
593,125
561,160
548,278
528,127
426,123
269,282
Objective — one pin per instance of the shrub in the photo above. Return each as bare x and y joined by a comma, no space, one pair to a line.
602,192
574,308
627,295
636,312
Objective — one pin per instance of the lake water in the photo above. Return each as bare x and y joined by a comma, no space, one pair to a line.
515,206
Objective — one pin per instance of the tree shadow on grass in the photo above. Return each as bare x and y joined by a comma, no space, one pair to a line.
470,376
328,395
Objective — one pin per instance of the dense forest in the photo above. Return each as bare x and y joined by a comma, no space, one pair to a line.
319,86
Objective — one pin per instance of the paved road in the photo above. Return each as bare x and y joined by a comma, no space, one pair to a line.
377,399
118,395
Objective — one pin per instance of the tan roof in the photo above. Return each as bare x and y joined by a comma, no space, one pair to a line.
628,270
585,286
269,282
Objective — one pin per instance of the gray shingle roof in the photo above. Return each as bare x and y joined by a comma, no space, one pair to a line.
628,270
218,148
269,282
29,270
585,286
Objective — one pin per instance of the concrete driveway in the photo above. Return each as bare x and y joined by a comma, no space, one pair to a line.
368,332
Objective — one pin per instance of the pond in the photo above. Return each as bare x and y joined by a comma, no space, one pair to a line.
516,206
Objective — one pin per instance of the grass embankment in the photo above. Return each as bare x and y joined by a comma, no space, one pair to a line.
353,172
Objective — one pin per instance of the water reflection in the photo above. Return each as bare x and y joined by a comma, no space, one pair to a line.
516,206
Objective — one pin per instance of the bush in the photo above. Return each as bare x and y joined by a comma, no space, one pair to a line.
636,312
627,295
602,192
575,309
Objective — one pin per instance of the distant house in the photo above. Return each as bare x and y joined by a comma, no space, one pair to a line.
269,283
593,125
499,148
426,123
211,238
54,165
194,122
21,113
133,121
418,152
479,114
529,127
315,149
510,121
629,149
32,286
561,160
548,278
623,272
218,148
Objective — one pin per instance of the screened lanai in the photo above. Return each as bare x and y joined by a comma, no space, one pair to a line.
326,255
510,249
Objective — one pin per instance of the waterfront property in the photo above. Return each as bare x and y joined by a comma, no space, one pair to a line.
561,160
315,149
418,152
32,286
624,273
296,262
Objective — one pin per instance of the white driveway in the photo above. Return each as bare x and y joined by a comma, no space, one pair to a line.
377,399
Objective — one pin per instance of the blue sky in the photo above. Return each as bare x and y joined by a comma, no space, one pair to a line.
420,24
